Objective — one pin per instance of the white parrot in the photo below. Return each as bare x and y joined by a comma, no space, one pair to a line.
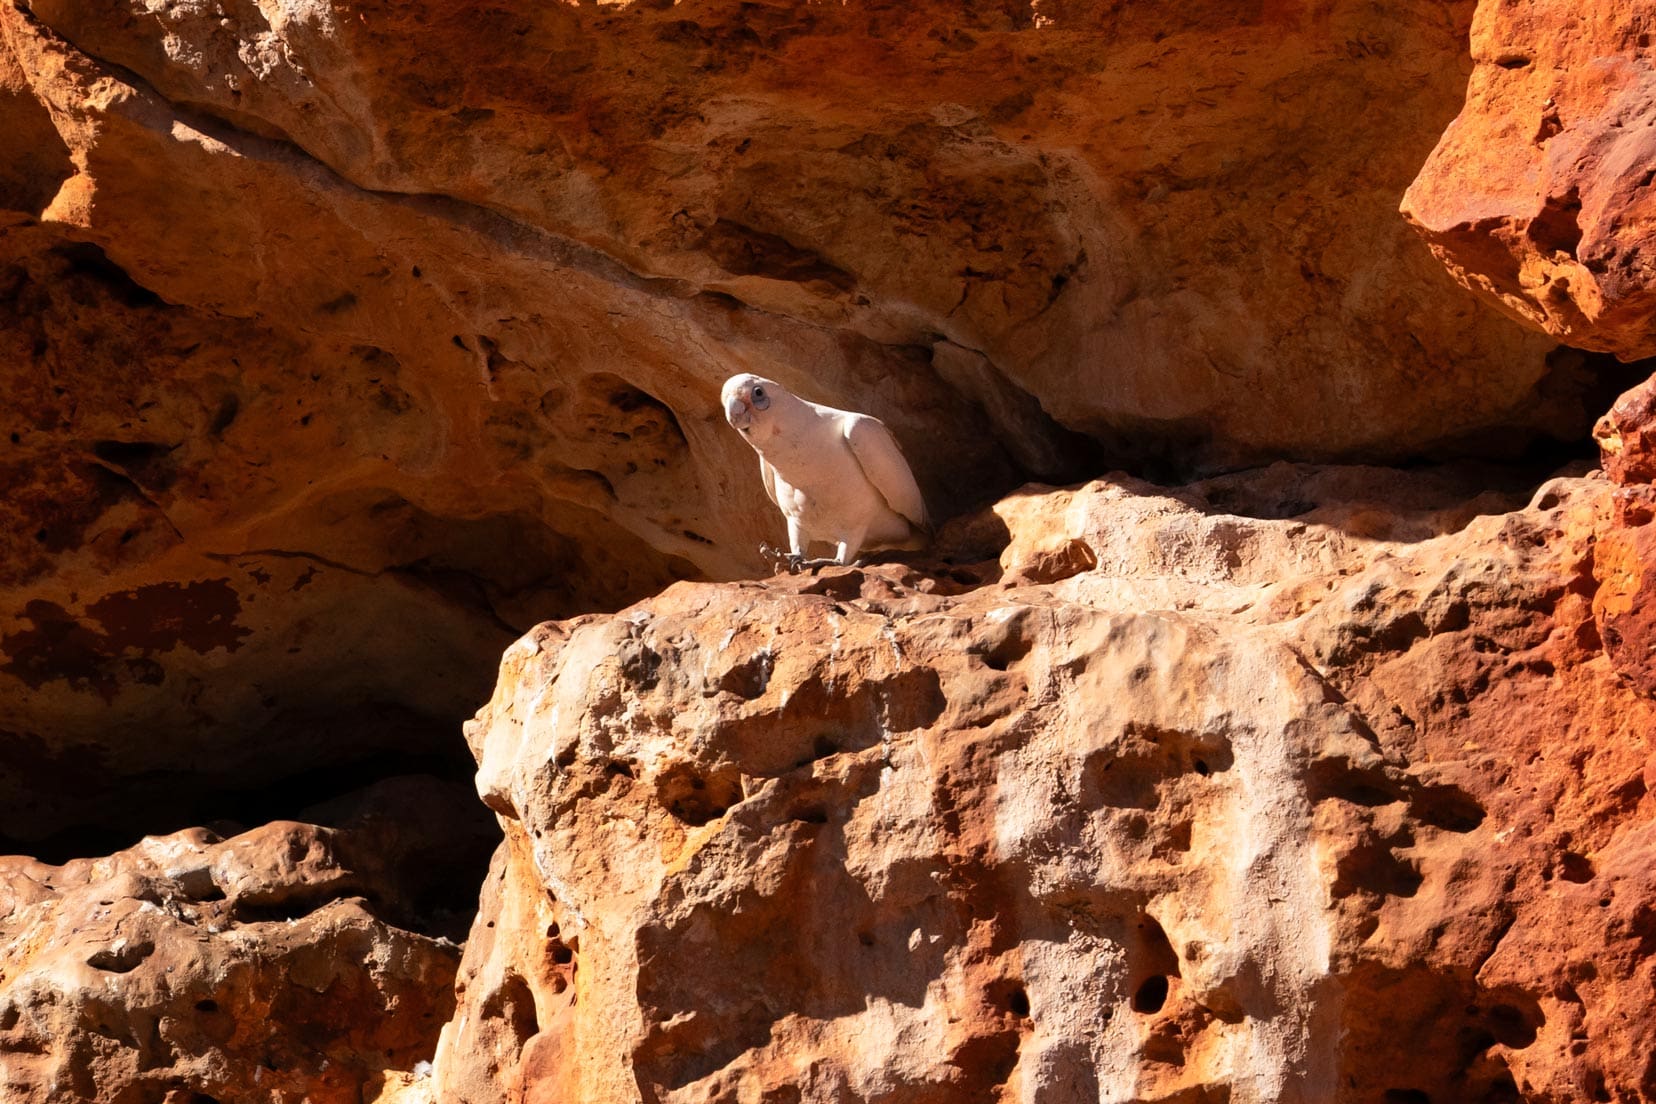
837,476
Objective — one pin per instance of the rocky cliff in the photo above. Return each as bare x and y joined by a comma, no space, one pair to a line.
1271,722
1309,785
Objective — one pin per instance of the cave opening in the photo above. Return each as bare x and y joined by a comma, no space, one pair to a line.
412,814
1575,388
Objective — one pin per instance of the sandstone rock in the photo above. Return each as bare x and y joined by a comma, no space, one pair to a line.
1626,436
345,343
342,344
1538,196
1063,193
1303,788
193,968
1625,555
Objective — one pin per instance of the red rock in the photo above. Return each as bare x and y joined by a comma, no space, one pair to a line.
1626,436
186,966
1256,807
343,344
1625,605
1538,195
347,345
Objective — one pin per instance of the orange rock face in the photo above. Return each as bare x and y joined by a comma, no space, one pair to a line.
1538,196
344,343
1625,556
190,967
1158,222
1247,804
344,346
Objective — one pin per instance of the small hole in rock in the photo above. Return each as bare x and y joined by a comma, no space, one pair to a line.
206,1006
130,454
1151,994
1018,1002
562,954
1573,867
1510,1027
1450,808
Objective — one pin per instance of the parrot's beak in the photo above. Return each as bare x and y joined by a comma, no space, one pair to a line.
738,413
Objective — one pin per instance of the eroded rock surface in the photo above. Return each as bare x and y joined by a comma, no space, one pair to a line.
1314,785
192,968
1538,196
346,342
1065,191
1625,557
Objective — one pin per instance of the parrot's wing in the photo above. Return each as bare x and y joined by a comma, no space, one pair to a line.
882,462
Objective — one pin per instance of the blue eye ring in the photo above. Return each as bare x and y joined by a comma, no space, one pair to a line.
760,400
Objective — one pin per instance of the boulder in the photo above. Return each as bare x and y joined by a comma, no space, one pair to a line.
1309,786
1538,197
195,968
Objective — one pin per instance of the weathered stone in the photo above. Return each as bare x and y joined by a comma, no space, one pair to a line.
1064,193
1538,195
1626,436
344,343
190,968
1240,811
1624,558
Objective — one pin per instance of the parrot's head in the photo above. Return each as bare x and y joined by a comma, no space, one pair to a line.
749,402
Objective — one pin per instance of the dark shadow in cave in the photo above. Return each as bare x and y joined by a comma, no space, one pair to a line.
1419,497
428,839
457,591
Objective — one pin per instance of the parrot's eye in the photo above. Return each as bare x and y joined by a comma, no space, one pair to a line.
760,399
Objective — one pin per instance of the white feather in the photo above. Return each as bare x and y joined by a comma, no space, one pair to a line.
837,476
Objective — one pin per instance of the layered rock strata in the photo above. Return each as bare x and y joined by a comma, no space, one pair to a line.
1316,785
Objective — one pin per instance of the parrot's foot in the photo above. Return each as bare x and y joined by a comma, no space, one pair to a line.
795,562
780,560
816,566
798,563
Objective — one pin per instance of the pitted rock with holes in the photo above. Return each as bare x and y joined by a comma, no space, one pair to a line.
909,836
